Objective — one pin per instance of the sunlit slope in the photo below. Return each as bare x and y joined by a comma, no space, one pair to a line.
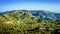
24,17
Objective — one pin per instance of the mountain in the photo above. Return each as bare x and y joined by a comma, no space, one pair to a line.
57,16
44,15
24,21
28,16
7,12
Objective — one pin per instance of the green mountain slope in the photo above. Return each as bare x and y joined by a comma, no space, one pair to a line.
20,21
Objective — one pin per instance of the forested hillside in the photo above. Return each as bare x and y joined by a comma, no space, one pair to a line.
27,22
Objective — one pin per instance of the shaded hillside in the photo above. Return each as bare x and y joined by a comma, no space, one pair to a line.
57,16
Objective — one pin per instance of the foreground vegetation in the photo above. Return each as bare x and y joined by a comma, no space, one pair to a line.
25,28
19,22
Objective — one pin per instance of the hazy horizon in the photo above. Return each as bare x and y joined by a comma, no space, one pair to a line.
49,5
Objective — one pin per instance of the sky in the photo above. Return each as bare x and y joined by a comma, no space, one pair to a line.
49,5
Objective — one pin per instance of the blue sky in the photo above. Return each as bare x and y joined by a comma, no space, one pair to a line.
49,5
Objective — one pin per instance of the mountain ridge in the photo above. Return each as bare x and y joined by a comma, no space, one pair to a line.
39,15
6,12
